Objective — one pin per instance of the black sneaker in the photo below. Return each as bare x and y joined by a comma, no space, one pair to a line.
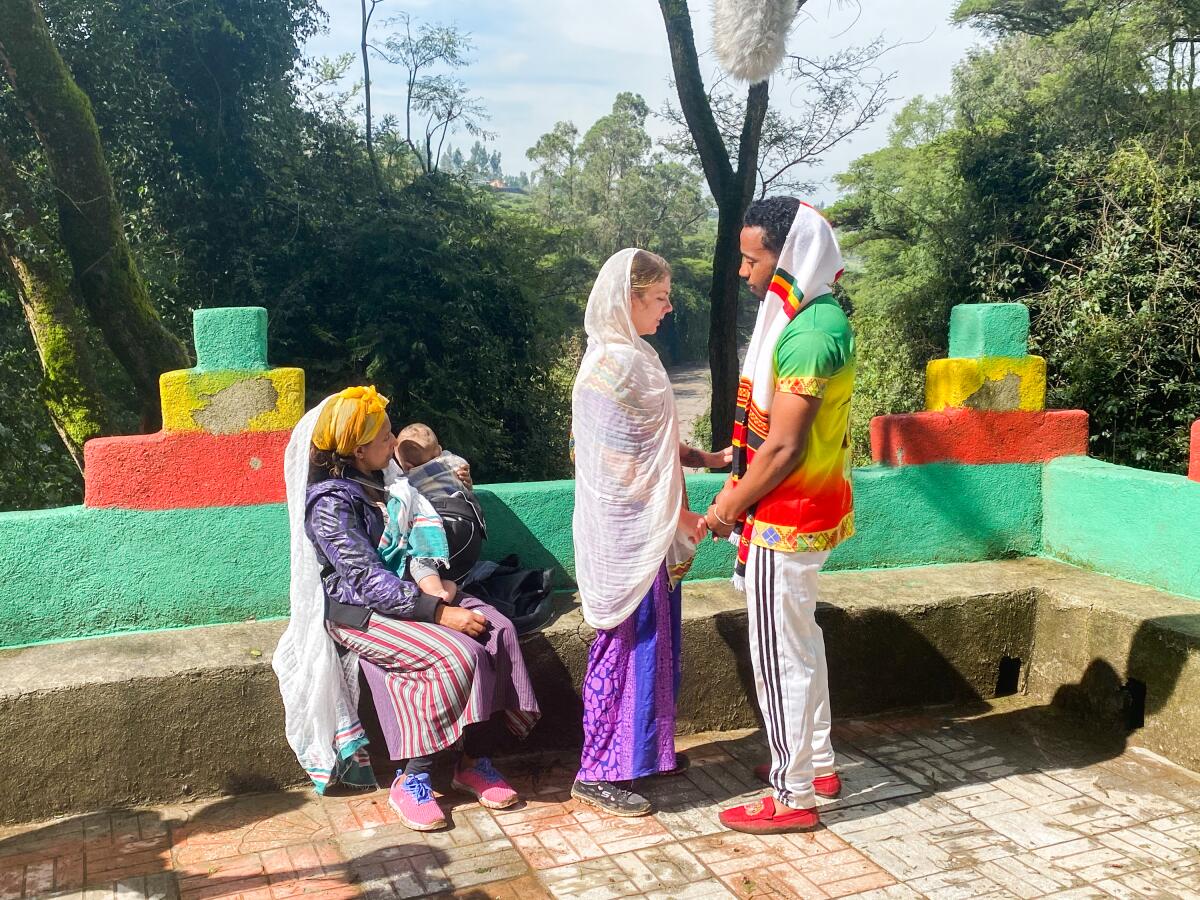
614,800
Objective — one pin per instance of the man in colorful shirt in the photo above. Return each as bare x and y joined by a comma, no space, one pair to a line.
789,502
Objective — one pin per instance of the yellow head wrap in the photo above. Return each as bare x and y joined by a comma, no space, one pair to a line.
349,420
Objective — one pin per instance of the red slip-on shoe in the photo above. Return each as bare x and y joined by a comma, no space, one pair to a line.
827,786
765,816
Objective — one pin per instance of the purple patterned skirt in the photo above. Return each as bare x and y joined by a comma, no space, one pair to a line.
629,691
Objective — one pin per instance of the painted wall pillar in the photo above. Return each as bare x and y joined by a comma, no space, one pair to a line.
986,403
226,424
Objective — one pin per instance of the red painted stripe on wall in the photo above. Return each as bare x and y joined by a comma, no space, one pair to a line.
184,470
972,436
1194,464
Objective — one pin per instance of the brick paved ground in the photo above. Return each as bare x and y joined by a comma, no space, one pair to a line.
937,805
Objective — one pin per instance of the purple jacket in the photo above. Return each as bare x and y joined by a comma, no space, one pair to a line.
345,525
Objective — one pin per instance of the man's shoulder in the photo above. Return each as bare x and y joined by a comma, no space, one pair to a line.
823,315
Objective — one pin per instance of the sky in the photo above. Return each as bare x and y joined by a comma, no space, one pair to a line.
538,62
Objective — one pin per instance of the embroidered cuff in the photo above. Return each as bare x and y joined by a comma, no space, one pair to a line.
809,386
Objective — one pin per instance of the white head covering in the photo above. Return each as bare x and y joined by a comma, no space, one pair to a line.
319,688
809,263
628,480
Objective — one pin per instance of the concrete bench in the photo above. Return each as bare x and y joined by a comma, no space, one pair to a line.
165,715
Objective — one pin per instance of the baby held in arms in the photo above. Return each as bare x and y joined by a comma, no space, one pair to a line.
444,479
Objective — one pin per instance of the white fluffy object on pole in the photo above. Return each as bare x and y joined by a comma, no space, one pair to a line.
750,36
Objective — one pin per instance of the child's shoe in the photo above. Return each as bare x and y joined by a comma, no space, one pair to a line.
412,798
485,783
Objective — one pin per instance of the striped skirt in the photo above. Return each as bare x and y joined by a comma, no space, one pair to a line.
430,682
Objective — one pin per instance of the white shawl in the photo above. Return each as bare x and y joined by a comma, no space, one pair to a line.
319,688
628,480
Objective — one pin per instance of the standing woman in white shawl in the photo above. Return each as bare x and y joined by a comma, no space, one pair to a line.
439,666
634,535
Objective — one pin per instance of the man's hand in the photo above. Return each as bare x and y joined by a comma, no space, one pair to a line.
467,621
719,518
722,516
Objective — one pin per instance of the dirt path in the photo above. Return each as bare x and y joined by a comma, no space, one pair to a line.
693,394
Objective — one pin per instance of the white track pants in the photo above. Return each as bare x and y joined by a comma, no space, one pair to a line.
788,651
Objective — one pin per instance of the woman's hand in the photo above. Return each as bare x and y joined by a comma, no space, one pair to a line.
720,458
469,622
693,525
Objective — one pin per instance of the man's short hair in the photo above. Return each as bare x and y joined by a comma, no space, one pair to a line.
774,216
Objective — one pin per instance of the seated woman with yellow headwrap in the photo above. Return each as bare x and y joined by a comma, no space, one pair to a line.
436,665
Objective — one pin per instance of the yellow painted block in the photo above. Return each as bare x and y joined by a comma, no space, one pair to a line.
997,383
227,402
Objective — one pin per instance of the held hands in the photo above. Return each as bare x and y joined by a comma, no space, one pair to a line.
693,525
469,622
721,458
719,517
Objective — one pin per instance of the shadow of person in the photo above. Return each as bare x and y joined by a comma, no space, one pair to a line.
100,848
955,737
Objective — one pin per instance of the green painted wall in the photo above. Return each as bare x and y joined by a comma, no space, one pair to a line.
1128,523
913,515
534,522
942,513
75,572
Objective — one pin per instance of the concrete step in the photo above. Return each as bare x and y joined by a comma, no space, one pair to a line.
170,715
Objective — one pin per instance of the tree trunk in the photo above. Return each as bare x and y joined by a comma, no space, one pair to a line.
722,321
90,222
69,387
364,46
733,190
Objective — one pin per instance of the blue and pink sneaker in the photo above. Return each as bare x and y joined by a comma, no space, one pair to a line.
411,797
485,783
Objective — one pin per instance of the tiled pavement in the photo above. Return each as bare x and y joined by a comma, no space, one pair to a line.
938,805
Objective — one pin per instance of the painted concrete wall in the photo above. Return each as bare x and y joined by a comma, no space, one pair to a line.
914,515
80,571
75,571
1129,523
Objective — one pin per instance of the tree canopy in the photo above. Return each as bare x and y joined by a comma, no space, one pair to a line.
1061,172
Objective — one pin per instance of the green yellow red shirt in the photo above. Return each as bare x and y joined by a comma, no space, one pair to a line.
813,508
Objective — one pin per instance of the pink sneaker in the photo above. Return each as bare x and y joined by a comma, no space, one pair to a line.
488,785
412,799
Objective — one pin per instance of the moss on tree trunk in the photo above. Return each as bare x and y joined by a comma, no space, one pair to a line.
40,281
90,222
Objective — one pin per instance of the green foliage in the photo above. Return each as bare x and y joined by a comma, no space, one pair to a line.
1061,173
245,182
903,254
452,331
608,190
